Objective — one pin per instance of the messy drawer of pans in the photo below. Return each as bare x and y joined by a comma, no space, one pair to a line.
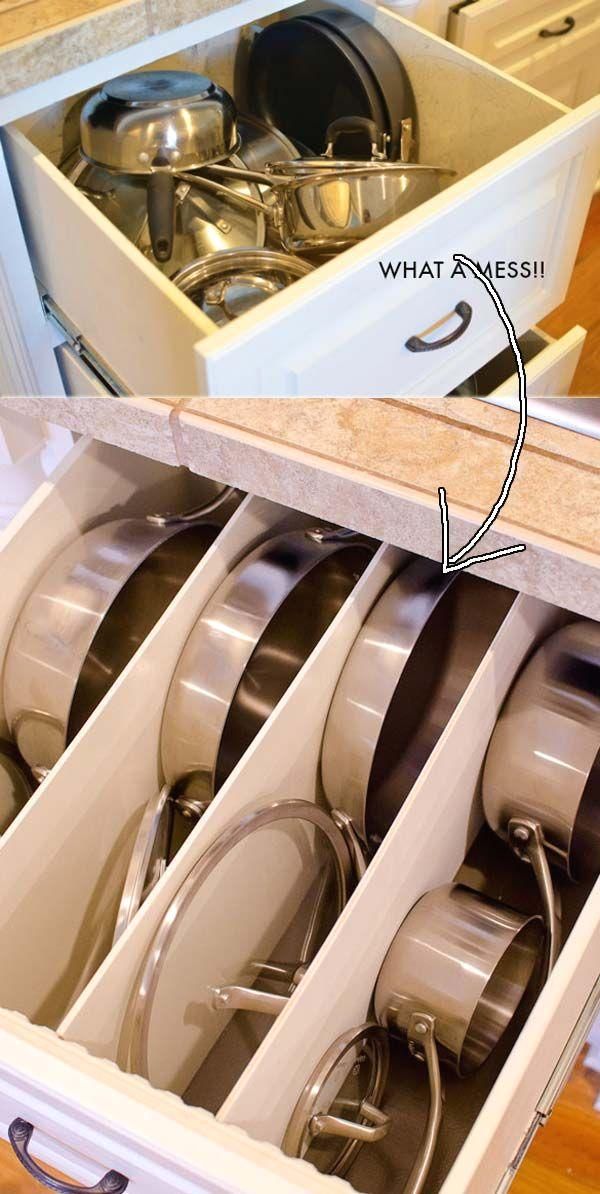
230,211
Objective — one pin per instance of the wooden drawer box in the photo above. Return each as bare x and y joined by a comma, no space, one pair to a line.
56,921
524,180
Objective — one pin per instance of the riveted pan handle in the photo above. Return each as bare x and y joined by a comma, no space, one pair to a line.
189,517
527,840
19,1135
464,311
421,1042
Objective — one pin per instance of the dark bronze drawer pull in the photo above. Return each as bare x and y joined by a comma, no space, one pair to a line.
20,1133
569,24
464,311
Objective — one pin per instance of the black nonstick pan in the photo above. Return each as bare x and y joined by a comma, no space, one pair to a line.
302,75
385,65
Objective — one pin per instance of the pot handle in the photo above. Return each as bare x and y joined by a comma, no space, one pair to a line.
223,192
216,294
421,1043
19,1135
161,213
196,514
356,124
527,840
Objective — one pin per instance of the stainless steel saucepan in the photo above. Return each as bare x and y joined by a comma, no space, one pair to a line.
249,642
86,617
541,782
450,985
153,123
324,205
293,865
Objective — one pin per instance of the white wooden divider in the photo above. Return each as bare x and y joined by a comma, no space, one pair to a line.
282,763
424,848
79,827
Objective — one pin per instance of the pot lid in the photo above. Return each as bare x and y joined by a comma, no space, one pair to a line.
270,886
152,87
339,1108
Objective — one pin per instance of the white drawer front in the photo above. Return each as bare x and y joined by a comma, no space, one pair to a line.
88,1116
524,181
550,372
506,32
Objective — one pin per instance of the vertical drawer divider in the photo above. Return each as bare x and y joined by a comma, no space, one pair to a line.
80,824
424,848
282,763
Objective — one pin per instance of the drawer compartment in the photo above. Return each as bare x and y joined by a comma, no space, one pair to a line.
88,1115
524,180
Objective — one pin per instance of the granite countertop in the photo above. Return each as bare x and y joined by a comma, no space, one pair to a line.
43,38
376,464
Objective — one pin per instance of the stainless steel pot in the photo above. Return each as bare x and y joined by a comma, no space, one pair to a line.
246,647
86,617
541,781
15,787
134,1048
153,123
324,205
372,713
225,285
450,985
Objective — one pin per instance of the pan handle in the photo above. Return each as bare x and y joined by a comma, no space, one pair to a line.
356,124
421,1043
332,535
189,517
527,840
223,192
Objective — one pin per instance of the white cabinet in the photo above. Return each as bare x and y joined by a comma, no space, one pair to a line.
524,181
58,969
553,46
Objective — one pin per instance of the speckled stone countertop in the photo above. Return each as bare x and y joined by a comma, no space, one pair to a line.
43,38
376,465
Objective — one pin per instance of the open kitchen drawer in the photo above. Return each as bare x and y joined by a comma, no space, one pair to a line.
550,44
525,169
56,923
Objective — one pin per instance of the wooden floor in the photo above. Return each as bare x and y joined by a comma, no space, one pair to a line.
582,306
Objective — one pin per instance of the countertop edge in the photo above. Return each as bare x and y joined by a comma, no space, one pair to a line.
549,569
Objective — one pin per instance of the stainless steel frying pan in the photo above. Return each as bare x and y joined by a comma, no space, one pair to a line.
86,617
243,653
246,647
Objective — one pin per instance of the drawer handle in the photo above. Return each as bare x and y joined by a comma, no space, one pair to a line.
569,24
20,1133
465,313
